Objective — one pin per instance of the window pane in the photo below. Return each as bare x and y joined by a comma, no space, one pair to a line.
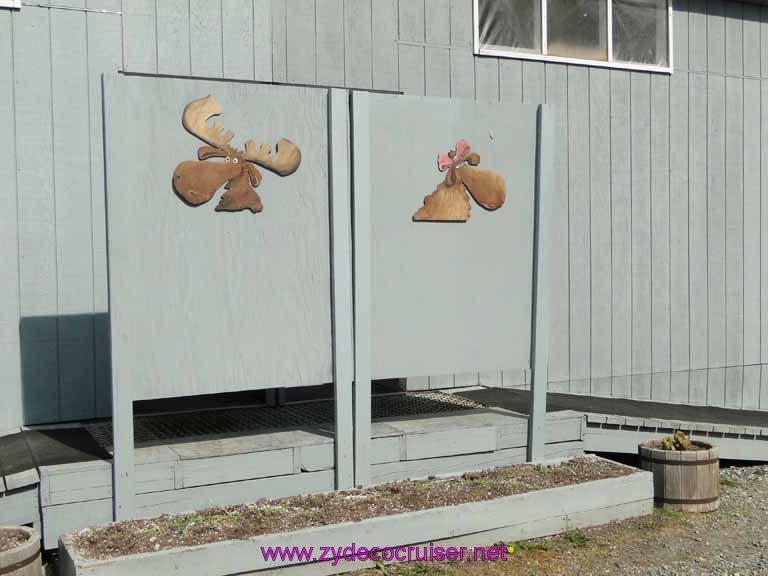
577,29
640,31
514,24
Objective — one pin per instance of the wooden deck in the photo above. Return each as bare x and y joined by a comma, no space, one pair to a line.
217,470
619,425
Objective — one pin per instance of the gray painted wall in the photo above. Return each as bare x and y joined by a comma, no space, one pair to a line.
448,297
661,276
204,301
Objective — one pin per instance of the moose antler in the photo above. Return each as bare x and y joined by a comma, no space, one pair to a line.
195,117
284,161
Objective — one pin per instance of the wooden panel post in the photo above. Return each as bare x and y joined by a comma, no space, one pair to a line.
361,177
537,410
123,477
341,274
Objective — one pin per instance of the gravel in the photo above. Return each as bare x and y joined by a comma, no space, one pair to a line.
10,538
730,542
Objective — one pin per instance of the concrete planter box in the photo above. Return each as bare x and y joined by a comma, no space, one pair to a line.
512,518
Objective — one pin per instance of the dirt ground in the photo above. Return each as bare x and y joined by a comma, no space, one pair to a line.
732,541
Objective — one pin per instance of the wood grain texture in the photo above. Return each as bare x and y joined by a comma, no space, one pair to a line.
684,481
448,203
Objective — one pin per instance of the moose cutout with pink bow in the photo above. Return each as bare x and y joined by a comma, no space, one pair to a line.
450,201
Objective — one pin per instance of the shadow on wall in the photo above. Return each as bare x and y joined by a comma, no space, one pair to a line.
65,371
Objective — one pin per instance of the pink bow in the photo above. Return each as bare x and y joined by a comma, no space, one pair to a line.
460,154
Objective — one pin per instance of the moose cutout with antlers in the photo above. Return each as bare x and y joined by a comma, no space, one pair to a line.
450,201
196,181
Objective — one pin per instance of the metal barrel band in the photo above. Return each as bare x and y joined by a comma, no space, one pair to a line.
686,500
680,462
20,564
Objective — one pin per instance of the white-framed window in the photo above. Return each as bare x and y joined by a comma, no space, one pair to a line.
633,34
10,4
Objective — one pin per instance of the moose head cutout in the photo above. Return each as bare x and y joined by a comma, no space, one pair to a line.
196,181
450,201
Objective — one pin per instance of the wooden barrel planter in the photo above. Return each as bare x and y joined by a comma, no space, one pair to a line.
22,559
685,481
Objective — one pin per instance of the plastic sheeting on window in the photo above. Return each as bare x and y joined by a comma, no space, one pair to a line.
640,31
514,24
578,29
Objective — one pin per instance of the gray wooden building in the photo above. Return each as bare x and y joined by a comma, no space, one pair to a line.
657,277
661,272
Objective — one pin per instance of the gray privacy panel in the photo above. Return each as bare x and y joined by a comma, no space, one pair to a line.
204,301
449,297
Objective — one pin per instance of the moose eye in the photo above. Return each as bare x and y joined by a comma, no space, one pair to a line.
227,159
234,160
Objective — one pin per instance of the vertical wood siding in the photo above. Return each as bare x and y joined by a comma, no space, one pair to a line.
660,285
661,279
